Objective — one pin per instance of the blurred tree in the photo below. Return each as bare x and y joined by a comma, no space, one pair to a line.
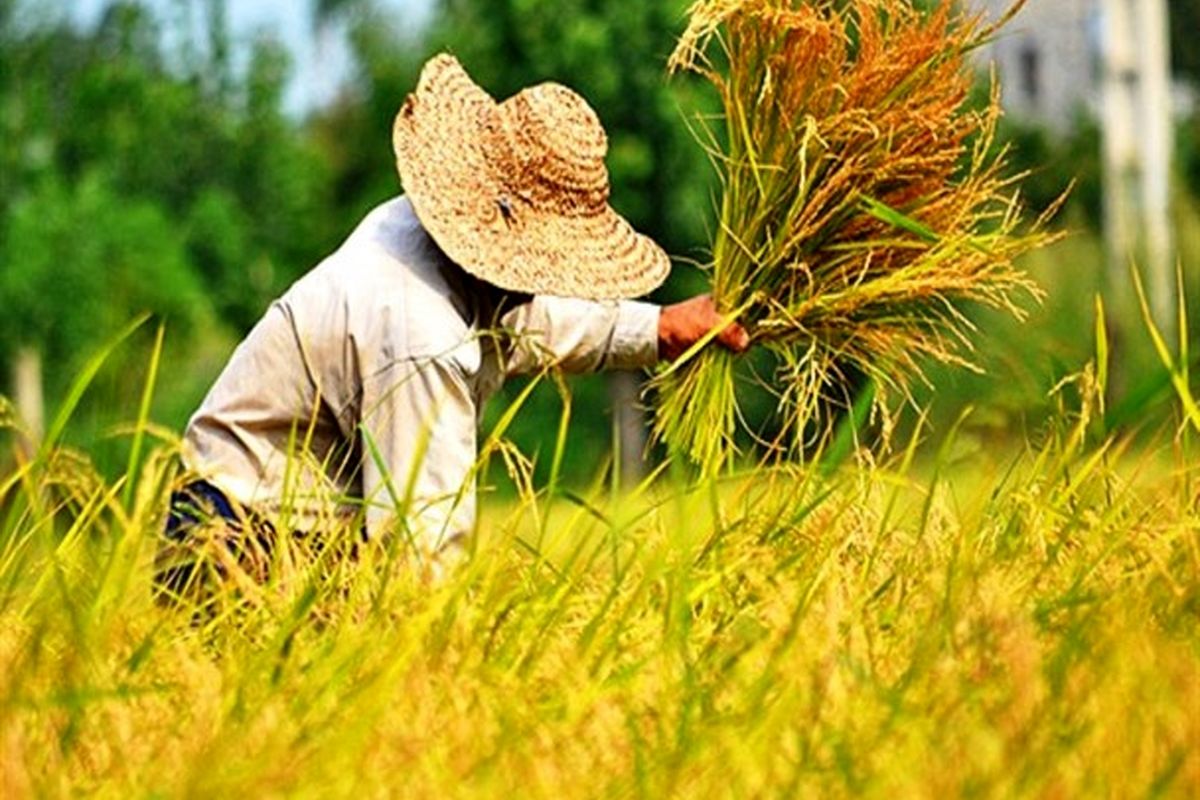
354,132
1185,23
1185,61
194,189
1053,162
1189,148
89,250
326,12
178,134
81,259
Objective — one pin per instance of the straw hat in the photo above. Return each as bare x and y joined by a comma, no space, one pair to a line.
516,193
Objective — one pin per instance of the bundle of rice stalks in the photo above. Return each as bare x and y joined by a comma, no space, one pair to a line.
863,200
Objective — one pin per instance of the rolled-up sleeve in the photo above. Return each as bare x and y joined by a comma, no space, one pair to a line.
580,335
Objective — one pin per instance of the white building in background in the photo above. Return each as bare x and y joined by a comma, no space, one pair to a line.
1048,59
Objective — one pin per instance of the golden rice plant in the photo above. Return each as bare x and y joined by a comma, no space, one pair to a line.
863,200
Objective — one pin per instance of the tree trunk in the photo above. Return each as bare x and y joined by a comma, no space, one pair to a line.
629,428
27,383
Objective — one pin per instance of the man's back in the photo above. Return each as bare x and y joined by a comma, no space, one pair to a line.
280,425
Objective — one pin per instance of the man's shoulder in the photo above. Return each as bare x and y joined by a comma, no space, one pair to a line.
387,251
389,281
390,231
389,222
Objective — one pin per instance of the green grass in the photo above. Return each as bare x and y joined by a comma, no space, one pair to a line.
1020,621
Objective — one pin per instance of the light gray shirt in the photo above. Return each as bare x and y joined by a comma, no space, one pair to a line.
364,383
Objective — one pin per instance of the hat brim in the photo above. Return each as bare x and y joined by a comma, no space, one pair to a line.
453,185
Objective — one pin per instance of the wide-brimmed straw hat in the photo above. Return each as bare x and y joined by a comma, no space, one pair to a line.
516,193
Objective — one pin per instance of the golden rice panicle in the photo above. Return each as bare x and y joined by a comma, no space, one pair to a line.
862,203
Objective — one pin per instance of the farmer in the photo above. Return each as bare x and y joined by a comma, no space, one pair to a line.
361,387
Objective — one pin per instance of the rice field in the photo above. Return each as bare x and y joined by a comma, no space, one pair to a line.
957,618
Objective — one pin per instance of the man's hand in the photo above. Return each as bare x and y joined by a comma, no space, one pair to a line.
683,324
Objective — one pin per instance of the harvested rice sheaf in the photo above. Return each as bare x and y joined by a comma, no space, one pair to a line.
863,200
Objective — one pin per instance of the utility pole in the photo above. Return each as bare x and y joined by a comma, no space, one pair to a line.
1136,117
629,427
27,380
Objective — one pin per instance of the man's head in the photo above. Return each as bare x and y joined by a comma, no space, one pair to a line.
516,192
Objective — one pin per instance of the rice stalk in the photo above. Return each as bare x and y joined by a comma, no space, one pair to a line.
863,200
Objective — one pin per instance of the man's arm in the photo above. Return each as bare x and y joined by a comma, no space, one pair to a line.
580,335
586,335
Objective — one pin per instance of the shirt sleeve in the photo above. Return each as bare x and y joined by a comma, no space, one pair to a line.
418,434
580,335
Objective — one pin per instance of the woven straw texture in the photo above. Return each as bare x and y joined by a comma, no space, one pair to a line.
516,193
